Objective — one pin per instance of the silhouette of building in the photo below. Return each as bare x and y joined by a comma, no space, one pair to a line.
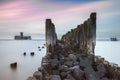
22,37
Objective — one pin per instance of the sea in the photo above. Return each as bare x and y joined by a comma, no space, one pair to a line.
12,51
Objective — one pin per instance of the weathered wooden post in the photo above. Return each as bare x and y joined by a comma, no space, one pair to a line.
93,26
51,36
84,35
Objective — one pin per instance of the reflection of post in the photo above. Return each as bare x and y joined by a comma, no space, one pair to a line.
51,36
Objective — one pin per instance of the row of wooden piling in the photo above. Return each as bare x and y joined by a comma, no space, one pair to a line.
83,37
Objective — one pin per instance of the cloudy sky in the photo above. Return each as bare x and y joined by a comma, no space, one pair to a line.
29,16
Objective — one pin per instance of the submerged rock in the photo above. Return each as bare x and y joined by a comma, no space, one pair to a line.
39,49
55,72
13,65
24,53
43,47
32,53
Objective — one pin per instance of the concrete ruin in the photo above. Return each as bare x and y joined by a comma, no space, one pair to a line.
22,37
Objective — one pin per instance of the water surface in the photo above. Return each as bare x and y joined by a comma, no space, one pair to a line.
110,50
12,51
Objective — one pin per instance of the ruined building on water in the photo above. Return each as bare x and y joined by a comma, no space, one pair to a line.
22,37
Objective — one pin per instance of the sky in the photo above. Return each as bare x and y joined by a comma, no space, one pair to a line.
29,16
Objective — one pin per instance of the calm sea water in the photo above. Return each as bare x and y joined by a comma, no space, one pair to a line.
12,51
110,50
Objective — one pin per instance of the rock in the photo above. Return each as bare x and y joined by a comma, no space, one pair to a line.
62,60
63,68
54,63
56,72
32,53
31,78
77,72
48,55
90,74
69,63
39,49
105,79
85,62
70,77
63,74
78,57
40,69
66,79
75,63
46,77
24,53
101,70
38,75
72,57
13,65
43,47
55,77
38,46
46,64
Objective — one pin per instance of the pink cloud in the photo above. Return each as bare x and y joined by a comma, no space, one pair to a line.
27,10
83,8
19,10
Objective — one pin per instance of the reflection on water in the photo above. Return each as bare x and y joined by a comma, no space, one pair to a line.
12,51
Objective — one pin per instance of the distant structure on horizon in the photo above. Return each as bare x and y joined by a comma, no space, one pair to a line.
22,37
113,39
